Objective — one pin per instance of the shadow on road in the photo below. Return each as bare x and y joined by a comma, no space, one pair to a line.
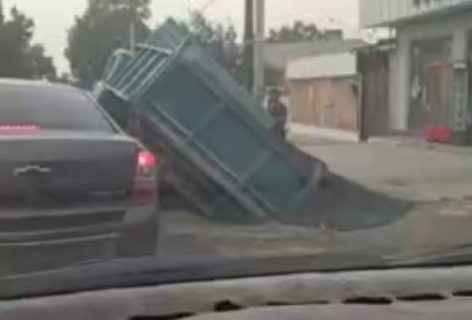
340,205
347,206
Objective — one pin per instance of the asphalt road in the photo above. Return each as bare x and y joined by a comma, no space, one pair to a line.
426,226
186,238
408,170
357,219
188,241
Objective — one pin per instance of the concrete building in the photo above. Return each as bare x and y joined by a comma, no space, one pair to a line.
430,64
323,94
277,55
341,94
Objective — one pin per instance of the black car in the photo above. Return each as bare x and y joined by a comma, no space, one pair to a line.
73,187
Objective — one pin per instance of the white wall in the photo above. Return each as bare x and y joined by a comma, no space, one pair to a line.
324,66
457,26
376,12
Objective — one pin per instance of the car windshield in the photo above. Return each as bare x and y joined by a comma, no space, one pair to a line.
236,137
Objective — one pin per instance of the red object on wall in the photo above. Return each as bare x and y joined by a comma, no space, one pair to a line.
439,134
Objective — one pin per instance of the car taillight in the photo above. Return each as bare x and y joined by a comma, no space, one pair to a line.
19,128
145,181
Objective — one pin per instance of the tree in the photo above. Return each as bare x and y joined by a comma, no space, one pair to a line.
104,27
220,41
18,57
65,78
2,17
41,66
300,31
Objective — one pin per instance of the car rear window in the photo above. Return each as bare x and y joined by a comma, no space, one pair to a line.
51,109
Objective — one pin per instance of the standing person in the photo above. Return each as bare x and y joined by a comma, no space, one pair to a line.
279,112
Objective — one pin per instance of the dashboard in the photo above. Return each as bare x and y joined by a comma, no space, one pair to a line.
441,293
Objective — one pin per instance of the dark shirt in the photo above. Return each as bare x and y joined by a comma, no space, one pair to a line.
279,111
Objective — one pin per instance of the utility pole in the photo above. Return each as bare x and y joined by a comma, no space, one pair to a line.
132,29
1,13
249,44
259,63
132,36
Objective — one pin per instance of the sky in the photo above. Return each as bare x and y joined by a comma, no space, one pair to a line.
54,17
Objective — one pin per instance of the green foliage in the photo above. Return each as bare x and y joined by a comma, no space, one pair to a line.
18,57
41,66
299,31
65,78
138,9
219,40
104,27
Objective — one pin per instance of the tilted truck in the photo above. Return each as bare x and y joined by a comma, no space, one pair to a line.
216,141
